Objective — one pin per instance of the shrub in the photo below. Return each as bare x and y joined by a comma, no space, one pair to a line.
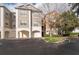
53,39
74,34
66,34
56,35
47,35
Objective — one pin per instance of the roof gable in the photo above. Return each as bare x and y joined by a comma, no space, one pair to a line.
28,7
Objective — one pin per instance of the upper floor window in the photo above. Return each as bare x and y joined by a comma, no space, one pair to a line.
6,23
22,12
23,22
35,24
35,14
6,14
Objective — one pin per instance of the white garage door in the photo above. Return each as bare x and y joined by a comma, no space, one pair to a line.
37,34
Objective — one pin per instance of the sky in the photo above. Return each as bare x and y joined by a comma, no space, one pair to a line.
10,5
61,7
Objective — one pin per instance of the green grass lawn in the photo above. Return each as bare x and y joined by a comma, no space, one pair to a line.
53,39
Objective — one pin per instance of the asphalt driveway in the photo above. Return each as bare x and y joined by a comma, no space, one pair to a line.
38,47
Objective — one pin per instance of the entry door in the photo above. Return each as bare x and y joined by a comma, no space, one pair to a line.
36,34
24,35
6,34
0,34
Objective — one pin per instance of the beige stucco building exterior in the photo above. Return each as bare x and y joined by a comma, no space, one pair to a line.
28,22
25,22
6,18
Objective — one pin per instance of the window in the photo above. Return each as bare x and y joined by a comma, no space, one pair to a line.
6,13
35,24
23,22
23,12
6,23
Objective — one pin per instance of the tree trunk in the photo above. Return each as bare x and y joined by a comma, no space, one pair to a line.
50,32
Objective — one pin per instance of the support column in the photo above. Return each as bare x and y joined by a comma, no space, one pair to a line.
16,34
30,24
2,23
2,34
16,23
20,34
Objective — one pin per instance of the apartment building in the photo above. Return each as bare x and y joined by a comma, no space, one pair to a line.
6,18
28,21
25,22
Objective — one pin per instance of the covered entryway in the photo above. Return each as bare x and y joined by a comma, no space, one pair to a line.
23,34
0,34
6,34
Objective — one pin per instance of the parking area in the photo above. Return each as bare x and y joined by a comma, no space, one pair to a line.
38,47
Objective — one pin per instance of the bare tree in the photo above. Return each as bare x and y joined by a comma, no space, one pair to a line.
49,16
51,21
